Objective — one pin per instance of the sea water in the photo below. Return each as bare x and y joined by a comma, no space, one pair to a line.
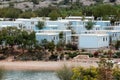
29,75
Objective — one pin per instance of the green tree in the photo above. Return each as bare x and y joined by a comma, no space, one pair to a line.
89,25
11,12
117,44
40,25
51,46
35,1
103,10
54,15
66,2
61,35
27,15
44,43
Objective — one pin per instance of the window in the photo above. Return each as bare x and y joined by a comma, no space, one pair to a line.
32,22
115,34
103,39
54,38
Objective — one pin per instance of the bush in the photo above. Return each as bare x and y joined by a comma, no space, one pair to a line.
84,74
118,54
53,57
90,54
72,55
70,46
65,73
116,73
2,57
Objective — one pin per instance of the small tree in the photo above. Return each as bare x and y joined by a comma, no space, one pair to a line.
54,15
117,44
89,25
61,35
40,25
112,21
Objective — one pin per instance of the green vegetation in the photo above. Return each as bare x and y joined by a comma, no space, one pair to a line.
84,74
35,1
23,45
54,15
27,14
10,12
65,73
89,25
101,10
105,71
40,25
117,44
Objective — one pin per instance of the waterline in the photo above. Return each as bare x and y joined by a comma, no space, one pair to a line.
29,75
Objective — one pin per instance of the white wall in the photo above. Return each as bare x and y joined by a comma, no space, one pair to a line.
48,37
93,41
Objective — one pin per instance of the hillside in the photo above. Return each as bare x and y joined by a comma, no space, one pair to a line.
36,4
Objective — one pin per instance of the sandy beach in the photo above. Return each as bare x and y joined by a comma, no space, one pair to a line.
41,65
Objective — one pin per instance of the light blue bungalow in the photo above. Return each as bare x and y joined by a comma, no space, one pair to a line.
93,41
48,36
59,24
114,35
65,33
28,24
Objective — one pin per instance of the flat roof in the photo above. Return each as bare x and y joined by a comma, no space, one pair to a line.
47,33
93,34
63,21
54,30
101,31
88,35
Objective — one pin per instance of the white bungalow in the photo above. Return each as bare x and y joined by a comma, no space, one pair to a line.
59,24
48,36
65,33
10,24
93,41
28,24
114,35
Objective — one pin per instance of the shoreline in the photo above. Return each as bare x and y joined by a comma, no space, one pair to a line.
42,65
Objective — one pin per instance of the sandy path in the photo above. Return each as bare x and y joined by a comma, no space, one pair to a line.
41,65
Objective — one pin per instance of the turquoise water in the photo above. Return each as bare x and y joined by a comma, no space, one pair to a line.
29,75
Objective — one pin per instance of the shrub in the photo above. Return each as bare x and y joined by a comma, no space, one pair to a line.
118,54
65,73
116,73
84,74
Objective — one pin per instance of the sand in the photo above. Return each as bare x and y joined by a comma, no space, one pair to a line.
42,65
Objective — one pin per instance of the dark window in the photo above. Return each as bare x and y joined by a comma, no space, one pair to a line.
103,39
